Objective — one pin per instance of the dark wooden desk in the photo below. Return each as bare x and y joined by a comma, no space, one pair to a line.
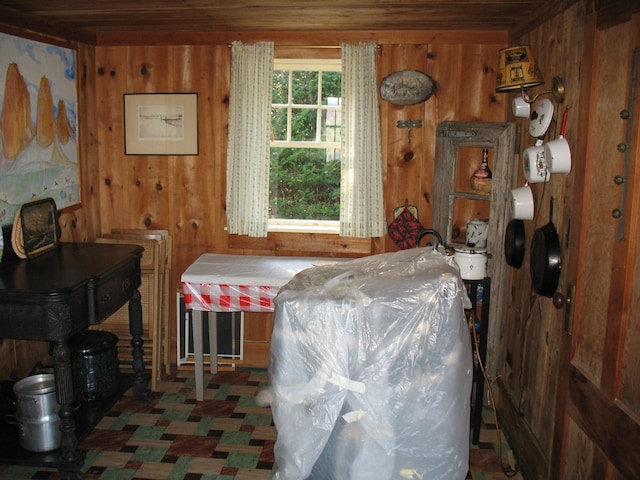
56,295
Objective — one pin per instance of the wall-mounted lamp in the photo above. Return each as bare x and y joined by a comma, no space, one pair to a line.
518,70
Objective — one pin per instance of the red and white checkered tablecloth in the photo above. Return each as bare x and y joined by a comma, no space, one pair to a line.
240,283
229,298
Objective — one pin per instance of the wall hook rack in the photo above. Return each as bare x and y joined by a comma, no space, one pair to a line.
409,124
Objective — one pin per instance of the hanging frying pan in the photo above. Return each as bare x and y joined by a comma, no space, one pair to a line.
514,243
546,260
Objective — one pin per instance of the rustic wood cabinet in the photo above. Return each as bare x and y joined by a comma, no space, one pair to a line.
459,147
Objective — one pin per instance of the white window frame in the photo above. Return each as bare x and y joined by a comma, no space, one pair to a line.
315,65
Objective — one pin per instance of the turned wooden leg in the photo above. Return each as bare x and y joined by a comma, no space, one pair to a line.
64,393
140,387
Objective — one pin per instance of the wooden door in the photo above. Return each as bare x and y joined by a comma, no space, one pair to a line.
597,434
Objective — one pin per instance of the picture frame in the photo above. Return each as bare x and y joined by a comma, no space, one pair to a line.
39,226
161,123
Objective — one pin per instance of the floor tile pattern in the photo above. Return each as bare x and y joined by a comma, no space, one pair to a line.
225,437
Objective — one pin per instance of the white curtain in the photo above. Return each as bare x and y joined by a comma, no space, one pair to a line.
249,130
361,198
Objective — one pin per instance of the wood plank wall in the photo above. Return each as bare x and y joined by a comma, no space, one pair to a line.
533,325
595,65
186,194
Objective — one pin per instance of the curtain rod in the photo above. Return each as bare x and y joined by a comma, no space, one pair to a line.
307,46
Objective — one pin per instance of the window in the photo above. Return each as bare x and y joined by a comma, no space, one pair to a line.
304,186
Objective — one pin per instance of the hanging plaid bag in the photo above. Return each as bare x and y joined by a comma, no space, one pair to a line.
404,229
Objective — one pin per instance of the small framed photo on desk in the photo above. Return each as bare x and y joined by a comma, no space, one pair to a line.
39,227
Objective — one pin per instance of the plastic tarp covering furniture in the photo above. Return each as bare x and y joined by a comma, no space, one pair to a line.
371,369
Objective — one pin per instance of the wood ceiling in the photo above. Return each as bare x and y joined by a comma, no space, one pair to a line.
104,17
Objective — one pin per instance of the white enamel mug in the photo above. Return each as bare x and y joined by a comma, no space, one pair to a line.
520,108
534,164
522,203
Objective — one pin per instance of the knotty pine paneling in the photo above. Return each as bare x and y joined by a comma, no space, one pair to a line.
465,81
186,194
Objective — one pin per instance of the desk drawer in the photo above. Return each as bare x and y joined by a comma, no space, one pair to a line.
112,291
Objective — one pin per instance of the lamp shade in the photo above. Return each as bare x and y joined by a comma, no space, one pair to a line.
517,69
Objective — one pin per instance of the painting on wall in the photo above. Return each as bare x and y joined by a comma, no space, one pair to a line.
161,124
38,125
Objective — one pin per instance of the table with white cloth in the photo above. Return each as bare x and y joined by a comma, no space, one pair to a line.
234,283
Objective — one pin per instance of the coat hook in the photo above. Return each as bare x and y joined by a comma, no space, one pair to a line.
409,124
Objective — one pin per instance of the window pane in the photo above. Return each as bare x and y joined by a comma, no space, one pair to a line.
303,124
331,88
330,126
304,88
280,86
304,184
279,123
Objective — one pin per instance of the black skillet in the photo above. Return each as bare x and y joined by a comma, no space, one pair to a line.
546,260
514,243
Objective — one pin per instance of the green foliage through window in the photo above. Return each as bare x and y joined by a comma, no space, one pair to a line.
305,145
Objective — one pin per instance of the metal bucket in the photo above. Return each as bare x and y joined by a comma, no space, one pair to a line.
37,413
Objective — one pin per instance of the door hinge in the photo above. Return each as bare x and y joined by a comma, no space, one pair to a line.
456,133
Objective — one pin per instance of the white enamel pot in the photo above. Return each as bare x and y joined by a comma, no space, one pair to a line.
557,153
535,165
472,262
522,203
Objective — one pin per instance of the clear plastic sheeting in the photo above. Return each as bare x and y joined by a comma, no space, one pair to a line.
371,369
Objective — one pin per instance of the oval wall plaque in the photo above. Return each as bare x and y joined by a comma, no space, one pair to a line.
407,87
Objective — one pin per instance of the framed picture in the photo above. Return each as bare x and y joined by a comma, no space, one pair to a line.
161,124
39,226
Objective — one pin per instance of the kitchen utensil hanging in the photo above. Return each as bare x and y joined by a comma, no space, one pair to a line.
546,258
534,164
541,118
514,243
557,153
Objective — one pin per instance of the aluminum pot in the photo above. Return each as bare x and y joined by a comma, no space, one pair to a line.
472,262
37,413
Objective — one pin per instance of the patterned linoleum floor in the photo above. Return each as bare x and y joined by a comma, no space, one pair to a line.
225,437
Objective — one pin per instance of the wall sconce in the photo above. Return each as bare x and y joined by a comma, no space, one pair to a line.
518,70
